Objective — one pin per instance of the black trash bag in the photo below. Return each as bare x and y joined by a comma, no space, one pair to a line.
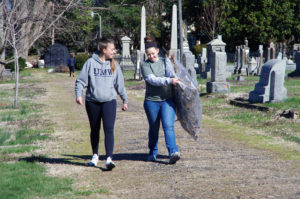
187,100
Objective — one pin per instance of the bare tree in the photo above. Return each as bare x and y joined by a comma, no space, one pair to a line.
4,6
213,18
23,22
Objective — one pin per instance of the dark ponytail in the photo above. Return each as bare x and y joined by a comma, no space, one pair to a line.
150,42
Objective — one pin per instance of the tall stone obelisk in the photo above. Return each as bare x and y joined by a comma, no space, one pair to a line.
174,38
143,29
141,52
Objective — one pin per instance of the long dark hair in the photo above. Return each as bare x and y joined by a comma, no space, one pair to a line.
102,44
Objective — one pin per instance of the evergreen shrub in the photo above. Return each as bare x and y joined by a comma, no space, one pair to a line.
22,64
81,59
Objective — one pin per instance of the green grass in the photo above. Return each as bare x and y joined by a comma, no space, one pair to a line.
4,94
16,115
27,136
26,73
4,135
217,106
246,117
7,82
28,180
289,103
293,138
245,135
128,74
90,192
24,127
18,149
7,118
133,82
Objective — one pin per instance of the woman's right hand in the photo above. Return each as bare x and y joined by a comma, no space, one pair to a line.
79,100
175,81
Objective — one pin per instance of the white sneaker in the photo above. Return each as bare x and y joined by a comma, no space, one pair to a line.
94,160
174,157
109,164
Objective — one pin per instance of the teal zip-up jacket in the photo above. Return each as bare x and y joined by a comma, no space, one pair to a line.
102,84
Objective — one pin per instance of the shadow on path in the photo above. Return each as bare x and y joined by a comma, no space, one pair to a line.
120,156
71,159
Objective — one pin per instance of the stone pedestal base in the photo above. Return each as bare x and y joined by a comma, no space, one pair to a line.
174,52
217,87
137,75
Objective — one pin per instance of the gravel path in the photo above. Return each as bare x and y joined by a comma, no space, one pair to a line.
210,168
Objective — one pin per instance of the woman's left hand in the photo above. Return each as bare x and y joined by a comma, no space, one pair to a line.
125,107
175,81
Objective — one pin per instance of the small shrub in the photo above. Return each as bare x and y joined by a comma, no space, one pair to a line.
81,59
22,64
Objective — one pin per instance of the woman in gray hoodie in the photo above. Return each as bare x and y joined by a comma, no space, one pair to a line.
102,78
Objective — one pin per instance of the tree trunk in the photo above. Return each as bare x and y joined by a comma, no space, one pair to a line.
16,56
53,36
2,59
31,29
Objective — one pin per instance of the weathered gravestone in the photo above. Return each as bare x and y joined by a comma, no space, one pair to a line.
202,60
126,62
218,62
260,59
188,61
252,66
56,55
188,58
296,73
270,87
271,52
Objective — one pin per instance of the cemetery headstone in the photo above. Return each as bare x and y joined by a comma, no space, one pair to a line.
218,62
252,65
270,87
202,60
174,43
56,55
126,58
137,73
216,45
260,59
188,58
237,59
296,48
296,73
143,34
271,52
141,52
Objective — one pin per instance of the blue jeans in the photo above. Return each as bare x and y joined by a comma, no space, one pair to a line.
165,112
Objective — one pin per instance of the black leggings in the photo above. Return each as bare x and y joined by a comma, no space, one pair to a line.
107,112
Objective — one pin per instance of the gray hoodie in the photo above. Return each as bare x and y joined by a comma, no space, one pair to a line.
102,84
